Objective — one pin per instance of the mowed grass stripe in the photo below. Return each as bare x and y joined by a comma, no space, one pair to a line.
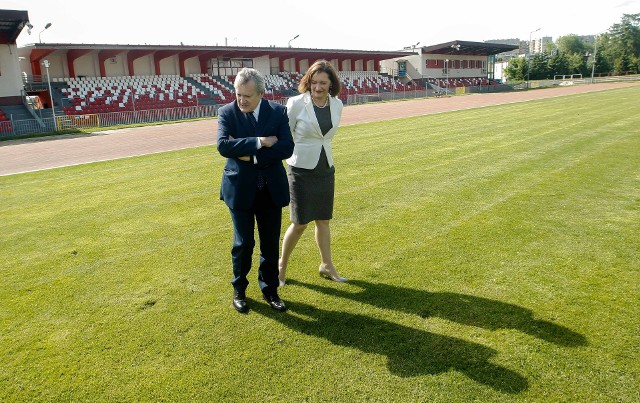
514,163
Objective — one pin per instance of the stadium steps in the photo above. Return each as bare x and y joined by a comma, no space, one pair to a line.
202,100
56,88
16,112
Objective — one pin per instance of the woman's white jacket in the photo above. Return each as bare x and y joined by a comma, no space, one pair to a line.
307,136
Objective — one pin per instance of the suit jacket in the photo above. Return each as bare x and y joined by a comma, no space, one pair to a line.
238,187
306,131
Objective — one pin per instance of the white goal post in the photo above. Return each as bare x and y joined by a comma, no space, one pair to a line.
567,77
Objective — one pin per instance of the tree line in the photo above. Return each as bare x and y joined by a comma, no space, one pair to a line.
615,52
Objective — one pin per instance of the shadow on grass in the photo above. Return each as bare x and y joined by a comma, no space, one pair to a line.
410,351
460,308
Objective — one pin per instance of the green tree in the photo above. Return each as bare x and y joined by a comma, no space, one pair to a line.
558,64
622,65
572,44
602,66
615,52
577,63
516,69
621,45
538,64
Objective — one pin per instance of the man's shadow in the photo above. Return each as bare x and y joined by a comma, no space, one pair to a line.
460,308
410,351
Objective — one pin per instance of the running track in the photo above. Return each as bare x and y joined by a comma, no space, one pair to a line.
20,156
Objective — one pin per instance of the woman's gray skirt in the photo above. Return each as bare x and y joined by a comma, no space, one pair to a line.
312,192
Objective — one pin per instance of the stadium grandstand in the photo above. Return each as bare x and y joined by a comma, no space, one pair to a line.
48,87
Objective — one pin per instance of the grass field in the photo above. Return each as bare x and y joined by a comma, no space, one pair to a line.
493,254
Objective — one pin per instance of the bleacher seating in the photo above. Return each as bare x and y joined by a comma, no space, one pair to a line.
370,82
460,82
116,94
283,85
278,86
219,87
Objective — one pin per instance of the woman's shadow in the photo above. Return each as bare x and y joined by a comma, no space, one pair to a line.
460,308
410,351
413,351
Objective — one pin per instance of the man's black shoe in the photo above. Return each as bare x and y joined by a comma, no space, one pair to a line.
275,302
240,302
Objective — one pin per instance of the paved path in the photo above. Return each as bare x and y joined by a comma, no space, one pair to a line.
19,156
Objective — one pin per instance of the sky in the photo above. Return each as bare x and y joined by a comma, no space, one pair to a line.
326,24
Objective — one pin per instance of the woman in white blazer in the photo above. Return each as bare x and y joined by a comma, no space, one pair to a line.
314,117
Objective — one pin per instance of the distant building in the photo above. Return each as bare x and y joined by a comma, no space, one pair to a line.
450,60
538,45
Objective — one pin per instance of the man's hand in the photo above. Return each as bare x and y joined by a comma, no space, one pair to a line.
245,158
268,141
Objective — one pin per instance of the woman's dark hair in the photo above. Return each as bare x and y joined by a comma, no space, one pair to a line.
317,67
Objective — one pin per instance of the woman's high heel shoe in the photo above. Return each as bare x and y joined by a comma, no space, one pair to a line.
331,275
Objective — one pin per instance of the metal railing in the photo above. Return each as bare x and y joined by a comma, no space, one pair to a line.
34,82
15,128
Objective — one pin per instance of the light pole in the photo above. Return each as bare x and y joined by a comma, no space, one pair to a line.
426,86
455,47
446,67
295,37
393,83
53,111
45,28
529,56
595,52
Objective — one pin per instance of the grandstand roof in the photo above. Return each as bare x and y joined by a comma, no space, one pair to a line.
11,24
236,52
468,48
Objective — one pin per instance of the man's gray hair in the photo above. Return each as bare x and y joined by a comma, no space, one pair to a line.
248,74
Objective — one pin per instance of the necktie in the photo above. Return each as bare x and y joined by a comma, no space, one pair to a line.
252,119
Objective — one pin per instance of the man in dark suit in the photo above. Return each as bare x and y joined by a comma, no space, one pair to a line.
254,136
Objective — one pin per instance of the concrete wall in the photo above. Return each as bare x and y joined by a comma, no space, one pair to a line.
10,72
